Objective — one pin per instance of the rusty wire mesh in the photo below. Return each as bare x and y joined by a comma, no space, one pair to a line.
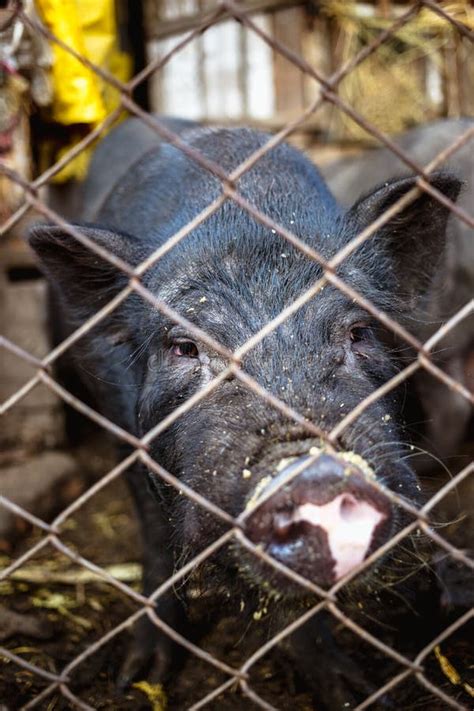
420,518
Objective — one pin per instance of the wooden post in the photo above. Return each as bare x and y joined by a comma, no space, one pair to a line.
288,78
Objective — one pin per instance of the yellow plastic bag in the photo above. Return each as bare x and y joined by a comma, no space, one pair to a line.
80,96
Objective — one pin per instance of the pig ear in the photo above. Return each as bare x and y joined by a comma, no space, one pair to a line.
84,280
413,240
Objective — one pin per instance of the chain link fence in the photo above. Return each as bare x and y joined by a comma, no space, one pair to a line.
328,601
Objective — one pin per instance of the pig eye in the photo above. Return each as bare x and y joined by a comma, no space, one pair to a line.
360,333
185,349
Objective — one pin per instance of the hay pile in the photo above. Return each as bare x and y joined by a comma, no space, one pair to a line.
406,81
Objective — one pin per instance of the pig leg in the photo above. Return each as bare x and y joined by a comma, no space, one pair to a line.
152,652
339,681
455,580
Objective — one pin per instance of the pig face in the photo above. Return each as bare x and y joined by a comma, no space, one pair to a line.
230,277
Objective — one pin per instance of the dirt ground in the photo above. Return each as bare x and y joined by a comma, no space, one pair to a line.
75,615
78,613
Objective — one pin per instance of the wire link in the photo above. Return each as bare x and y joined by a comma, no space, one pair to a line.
326,601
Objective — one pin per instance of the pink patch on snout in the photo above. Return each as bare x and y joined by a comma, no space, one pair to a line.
349,524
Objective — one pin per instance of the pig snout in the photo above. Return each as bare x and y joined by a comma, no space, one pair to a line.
324,521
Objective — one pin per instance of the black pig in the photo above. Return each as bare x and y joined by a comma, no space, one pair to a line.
230,277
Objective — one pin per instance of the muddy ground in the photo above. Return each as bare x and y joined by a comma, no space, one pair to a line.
78,613
75,615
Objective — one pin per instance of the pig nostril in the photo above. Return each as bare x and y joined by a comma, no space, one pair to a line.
349,508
